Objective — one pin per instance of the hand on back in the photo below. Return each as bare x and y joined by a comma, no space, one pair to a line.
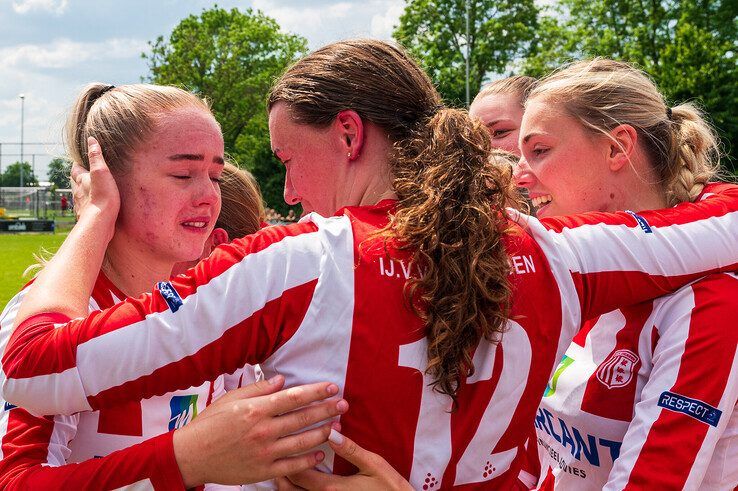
375,473
249,435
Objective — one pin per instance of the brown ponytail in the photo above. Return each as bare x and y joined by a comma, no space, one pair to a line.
450,213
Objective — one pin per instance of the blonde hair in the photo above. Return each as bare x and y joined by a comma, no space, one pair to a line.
121,118
242,209
520,85
601,94
450,211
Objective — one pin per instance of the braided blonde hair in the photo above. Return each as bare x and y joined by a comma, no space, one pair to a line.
602,94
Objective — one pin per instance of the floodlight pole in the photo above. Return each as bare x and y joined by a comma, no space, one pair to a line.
23,107
468,51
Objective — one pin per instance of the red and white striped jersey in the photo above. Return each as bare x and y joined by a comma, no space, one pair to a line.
124,446
645,397
321,300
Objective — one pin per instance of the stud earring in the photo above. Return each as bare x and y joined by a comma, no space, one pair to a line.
349,155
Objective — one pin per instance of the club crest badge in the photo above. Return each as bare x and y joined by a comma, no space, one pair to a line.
617,370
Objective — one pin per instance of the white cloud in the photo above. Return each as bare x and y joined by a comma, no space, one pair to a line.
51,75
323,22
53,6
44,119
43,59
339,10
64,53
293,18
382,25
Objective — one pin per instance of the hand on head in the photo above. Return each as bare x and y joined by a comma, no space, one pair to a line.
95,190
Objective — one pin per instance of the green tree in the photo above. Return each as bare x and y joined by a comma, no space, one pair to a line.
59,172
435,32
232,57
689,47
11,175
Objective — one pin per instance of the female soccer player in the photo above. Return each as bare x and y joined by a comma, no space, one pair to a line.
499,105
645,396
241,212
439,317
165,150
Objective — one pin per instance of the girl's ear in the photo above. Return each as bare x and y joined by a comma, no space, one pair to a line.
351,128
623,140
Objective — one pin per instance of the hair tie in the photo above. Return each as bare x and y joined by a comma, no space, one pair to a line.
668,113
101,93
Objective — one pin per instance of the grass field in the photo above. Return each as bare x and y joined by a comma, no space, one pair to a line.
16,254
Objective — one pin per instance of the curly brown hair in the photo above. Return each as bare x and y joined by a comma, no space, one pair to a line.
450,214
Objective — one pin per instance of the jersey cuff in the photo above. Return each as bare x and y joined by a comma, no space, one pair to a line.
44,318
166,464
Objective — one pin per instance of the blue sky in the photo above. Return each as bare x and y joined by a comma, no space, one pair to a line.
49,49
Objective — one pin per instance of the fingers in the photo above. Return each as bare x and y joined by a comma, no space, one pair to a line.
77,171
349,450
95,156
299,463
296,397
257,389
284,484
378,472
302,418
301,442
312,479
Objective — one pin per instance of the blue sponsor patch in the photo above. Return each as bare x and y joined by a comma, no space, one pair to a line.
8,406
170,295
184,410
641,221
699,410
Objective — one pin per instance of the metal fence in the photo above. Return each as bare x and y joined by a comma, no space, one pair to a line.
34,202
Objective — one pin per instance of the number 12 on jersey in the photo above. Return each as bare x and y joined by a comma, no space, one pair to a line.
433,434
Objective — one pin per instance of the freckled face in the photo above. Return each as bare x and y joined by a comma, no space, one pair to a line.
310,155
563,166
170,198
501,114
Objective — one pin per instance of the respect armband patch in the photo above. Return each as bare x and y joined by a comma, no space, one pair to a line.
641,221
701,411
170,295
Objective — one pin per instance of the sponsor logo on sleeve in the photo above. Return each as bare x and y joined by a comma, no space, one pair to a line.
551,387
641,221
701,411
184,410
617,369
170,295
